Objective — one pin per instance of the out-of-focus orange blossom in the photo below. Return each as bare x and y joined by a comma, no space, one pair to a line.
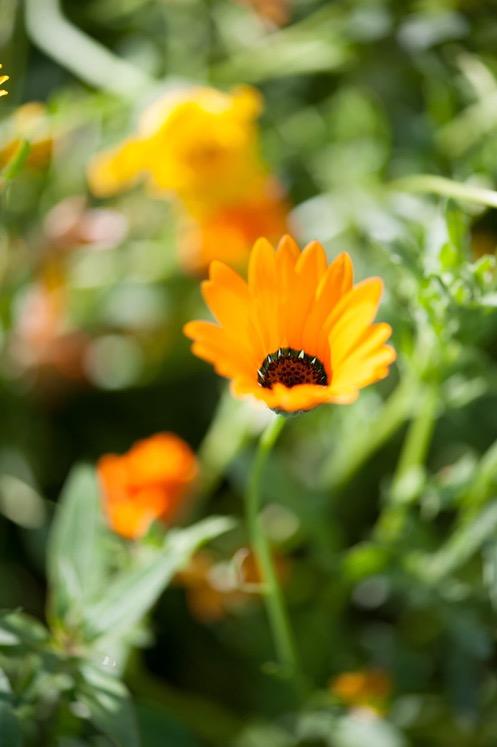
368,688
216,588
71,224
42,341
201,147
226,233
149,482
274,12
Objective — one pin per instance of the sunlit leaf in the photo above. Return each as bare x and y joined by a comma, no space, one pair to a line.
109,706
134,592
73,553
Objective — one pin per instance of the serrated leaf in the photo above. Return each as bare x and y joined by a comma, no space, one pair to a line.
109,706
74,555
133,593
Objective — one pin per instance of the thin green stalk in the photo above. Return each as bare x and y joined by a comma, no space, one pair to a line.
417,441
15,162
275,606
482,483
440,185
410,466
52,32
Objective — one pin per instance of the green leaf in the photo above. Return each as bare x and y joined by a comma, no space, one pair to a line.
18,629
457,225
10,730
74,554
462,545
134,592
354,731
5,689
109,706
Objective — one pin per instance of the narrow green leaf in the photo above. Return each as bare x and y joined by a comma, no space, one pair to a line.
18,629
467,540
109,705
457,225
74,554
133,593
16,161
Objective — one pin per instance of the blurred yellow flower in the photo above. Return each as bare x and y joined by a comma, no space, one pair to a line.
29,122
367,688
3,79
199,144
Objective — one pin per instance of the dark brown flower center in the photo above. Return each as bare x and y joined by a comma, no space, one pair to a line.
291,367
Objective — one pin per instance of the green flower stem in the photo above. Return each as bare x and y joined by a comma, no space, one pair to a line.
15,162
440,185
482,483
410,466
417,441
273,596
52,32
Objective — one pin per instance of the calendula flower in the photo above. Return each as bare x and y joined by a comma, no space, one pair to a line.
299,333
229,232
363,689
3,79
147,483
198,144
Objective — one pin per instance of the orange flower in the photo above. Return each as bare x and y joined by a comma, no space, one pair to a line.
364,688
299,333
149,482
229,233
215,588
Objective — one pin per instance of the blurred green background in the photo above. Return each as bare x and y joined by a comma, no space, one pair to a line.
385,511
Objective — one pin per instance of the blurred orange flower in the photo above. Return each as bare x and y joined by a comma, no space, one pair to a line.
228,233
42,340
29,122
275,12
216,588
363,689
299,333
71,224
3,79
147,483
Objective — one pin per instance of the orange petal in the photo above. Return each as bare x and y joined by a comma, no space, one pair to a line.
334,284
263,284
351,318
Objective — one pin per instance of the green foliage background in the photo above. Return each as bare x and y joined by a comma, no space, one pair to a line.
381,121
